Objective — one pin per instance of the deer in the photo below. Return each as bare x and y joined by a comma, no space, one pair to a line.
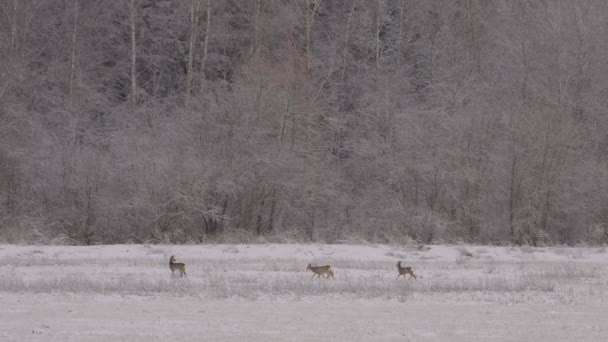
405,270
321,270
180,266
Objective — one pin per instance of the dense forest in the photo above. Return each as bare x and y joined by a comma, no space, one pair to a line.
194,121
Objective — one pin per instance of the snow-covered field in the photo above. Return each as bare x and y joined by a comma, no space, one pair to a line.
264,293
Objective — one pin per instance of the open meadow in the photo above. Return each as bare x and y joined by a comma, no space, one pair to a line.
264,293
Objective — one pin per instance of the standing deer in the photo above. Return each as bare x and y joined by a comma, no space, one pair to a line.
180,266
321,270
405,270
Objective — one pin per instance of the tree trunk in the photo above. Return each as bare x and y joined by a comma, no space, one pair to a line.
255,18
14,28
311,229
346,40
377,38
224,209
286,115
192,42
133,101
205,42
513,199
73,55
309,17
270,224
88,229
400,37
258,225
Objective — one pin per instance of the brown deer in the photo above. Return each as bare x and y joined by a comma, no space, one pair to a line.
321,270
405,270
180,266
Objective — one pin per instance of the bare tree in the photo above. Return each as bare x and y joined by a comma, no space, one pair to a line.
133,95
194,18
309,14
255,27
205,42
73,53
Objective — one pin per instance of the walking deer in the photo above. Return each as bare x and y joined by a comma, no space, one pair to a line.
321,270
180,266
405,270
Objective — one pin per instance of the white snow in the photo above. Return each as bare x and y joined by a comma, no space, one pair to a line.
264,293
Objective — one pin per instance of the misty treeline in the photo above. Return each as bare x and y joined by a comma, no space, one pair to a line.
304,120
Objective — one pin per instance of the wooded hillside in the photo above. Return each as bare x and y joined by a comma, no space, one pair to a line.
303,120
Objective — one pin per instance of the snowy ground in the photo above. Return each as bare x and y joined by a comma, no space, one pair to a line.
264,293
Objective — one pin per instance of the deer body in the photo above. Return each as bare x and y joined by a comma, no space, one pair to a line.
405,270
179,266
321,270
